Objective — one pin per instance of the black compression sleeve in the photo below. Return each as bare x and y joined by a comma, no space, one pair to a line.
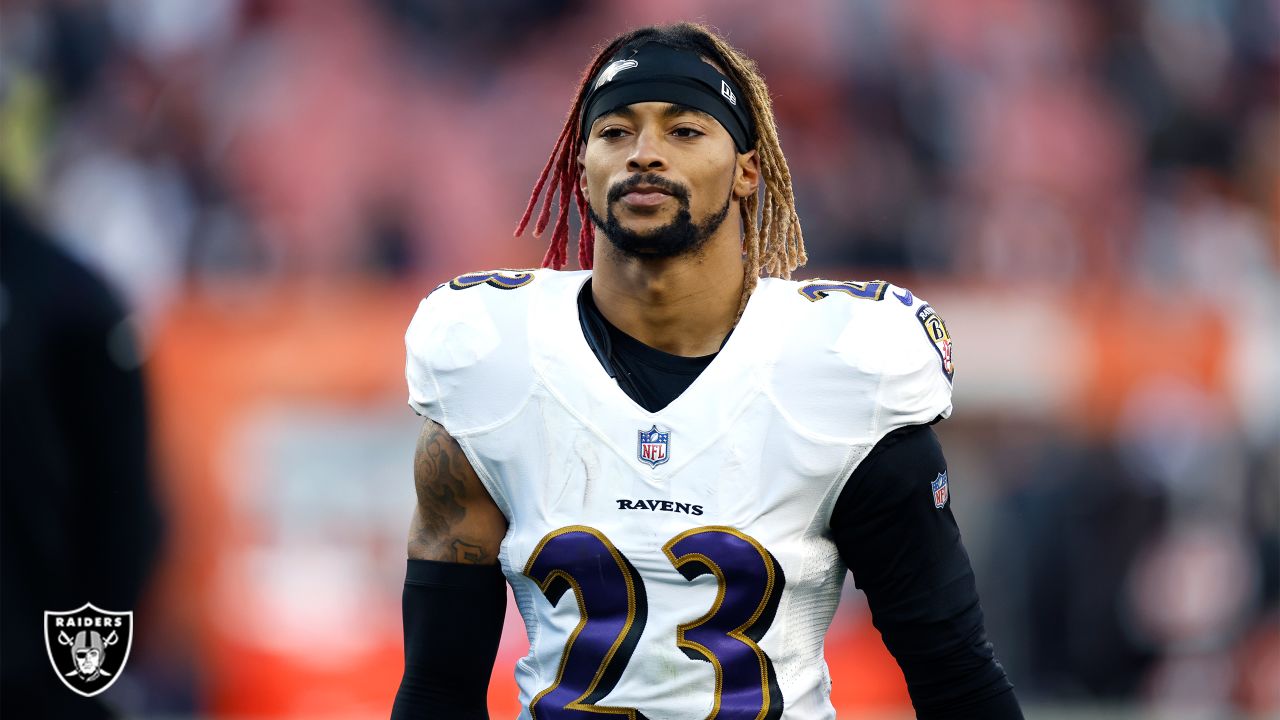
452,623
906,554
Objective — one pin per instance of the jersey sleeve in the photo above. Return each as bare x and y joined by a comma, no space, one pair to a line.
466,356
857,360
917,366
421,337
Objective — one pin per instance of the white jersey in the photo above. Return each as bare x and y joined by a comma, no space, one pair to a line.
674,564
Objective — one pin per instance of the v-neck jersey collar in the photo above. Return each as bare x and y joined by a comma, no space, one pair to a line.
571,370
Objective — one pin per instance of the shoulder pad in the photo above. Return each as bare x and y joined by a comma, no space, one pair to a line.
863,358
467,350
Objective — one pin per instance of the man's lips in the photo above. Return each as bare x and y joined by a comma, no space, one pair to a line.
645,197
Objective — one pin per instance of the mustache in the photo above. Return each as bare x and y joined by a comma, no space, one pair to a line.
675,189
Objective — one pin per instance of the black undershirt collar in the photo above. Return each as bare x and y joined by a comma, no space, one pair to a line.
650,377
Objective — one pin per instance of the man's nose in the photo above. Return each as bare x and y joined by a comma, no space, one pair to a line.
646,154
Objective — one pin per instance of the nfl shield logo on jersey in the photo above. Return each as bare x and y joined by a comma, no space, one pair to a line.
940,490
88,646
653,446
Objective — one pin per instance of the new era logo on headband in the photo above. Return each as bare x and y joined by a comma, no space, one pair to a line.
727,92
614,68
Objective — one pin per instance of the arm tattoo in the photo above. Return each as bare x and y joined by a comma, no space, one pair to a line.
466,552
447,488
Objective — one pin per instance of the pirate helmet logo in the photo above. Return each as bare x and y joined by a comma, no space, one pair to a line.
88,647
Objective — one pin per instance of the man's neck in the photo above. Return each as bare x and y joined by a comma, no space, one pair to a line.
683,306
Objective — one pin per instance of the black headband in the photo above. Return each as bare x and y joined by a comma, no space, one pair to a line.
657,73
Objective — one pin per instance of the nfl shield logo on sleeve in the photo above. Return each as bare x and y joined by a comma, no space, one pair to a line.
653,446
88,646
940,490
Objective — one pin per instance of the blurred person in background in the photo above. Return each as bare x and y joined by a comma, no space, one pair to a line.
78,518
804,446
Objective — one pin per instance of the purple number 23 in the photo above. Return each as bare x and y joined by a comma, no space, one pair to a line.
613,609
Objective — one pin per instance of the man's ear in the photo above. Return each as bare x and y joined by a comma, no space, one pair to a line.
582,172
746,177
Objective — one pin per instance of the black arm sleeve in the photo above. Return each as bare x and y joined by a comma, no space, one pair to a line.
452,623
906,554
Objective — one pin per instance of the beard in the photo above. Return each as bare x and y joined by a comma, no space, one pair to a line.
681,236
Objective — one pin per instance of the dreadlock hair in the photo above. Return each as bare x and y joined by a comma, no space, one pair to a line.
773,242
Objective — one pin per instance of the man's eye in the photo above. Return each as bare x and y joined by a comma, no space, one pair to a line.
612,132
686,132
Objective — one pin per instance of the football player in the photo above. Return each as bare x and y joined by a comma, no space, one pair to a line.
671,460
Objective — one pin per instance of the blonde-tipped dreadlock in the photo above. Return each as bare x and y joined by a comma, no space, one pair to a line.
773,243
